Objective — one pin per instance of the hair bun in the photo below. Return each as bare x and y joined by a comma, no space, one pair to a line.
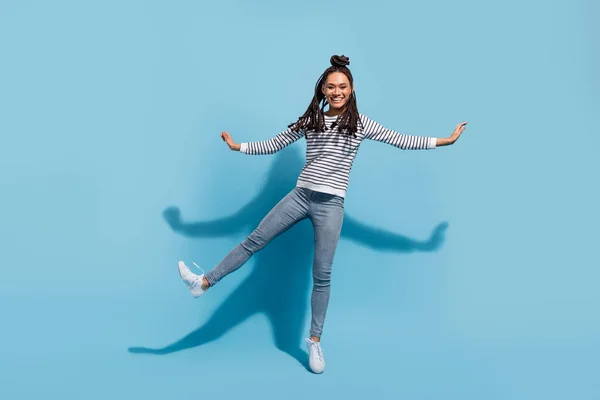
340,61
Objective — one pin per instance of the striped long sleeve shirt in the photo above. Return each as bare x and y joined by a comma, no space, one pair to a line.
330,154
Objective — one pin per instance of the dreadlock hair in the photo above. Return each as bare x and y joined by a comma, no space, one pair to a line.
314,120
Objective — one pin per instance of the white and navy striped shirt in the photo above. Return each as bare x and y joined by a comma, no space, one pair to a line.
330,155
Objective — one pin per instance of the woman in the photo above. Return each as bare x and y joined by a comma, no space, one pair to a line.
333,138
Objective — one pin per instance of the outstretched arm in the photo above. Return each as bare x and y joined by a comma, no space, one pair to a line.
375,131
380,239
271,146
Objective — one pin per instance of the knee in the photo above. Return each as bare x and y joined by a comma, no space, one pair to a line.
254,242
322,277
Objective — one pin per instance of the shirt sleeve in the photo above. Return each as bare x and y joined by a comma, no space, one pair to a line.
273,145
375,131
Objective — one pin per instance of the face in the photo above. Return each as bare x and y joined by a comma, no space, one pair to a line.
337,90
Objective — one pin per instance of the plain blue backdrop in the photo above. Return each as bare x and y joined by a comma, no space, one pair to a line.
466,272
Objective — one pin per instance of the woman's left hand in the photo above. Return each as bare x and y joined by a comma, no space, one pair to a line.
458,131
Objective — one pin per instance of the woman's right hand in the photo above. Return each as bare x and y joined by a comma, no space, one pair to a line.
227,139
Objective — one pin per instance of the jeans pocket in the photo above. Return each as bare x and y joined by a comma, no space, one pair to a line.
337,201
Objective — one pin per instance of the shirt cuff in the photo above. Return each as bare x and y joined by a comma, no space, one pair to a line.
432,143
243,147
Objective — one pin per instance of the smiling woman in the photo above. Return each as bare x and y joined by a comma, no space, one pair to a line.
333,138
335,88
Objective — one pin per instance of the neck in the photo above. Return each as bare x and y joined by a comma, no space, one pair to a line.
333,112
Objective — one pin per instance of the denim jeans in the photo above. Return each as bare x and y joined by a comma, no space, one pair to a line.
326,213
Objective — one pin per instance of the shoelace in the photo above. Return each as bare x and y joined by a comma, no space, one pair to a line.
316,347
197,280
198,267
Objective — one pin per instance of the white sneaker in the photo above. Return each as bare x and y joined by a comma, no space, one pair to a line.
316,361
191,280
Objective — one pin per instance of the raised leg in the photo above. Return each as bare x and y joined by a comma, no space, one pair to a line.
290,210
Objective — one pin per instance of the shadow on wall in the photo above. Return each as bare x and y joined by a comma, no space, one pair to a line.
280,282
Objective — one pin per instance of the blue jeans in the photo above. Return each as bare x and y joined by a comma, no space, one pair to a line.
326,213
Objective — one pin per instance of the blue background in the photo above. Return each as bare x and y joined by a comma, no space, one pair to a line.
466,272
